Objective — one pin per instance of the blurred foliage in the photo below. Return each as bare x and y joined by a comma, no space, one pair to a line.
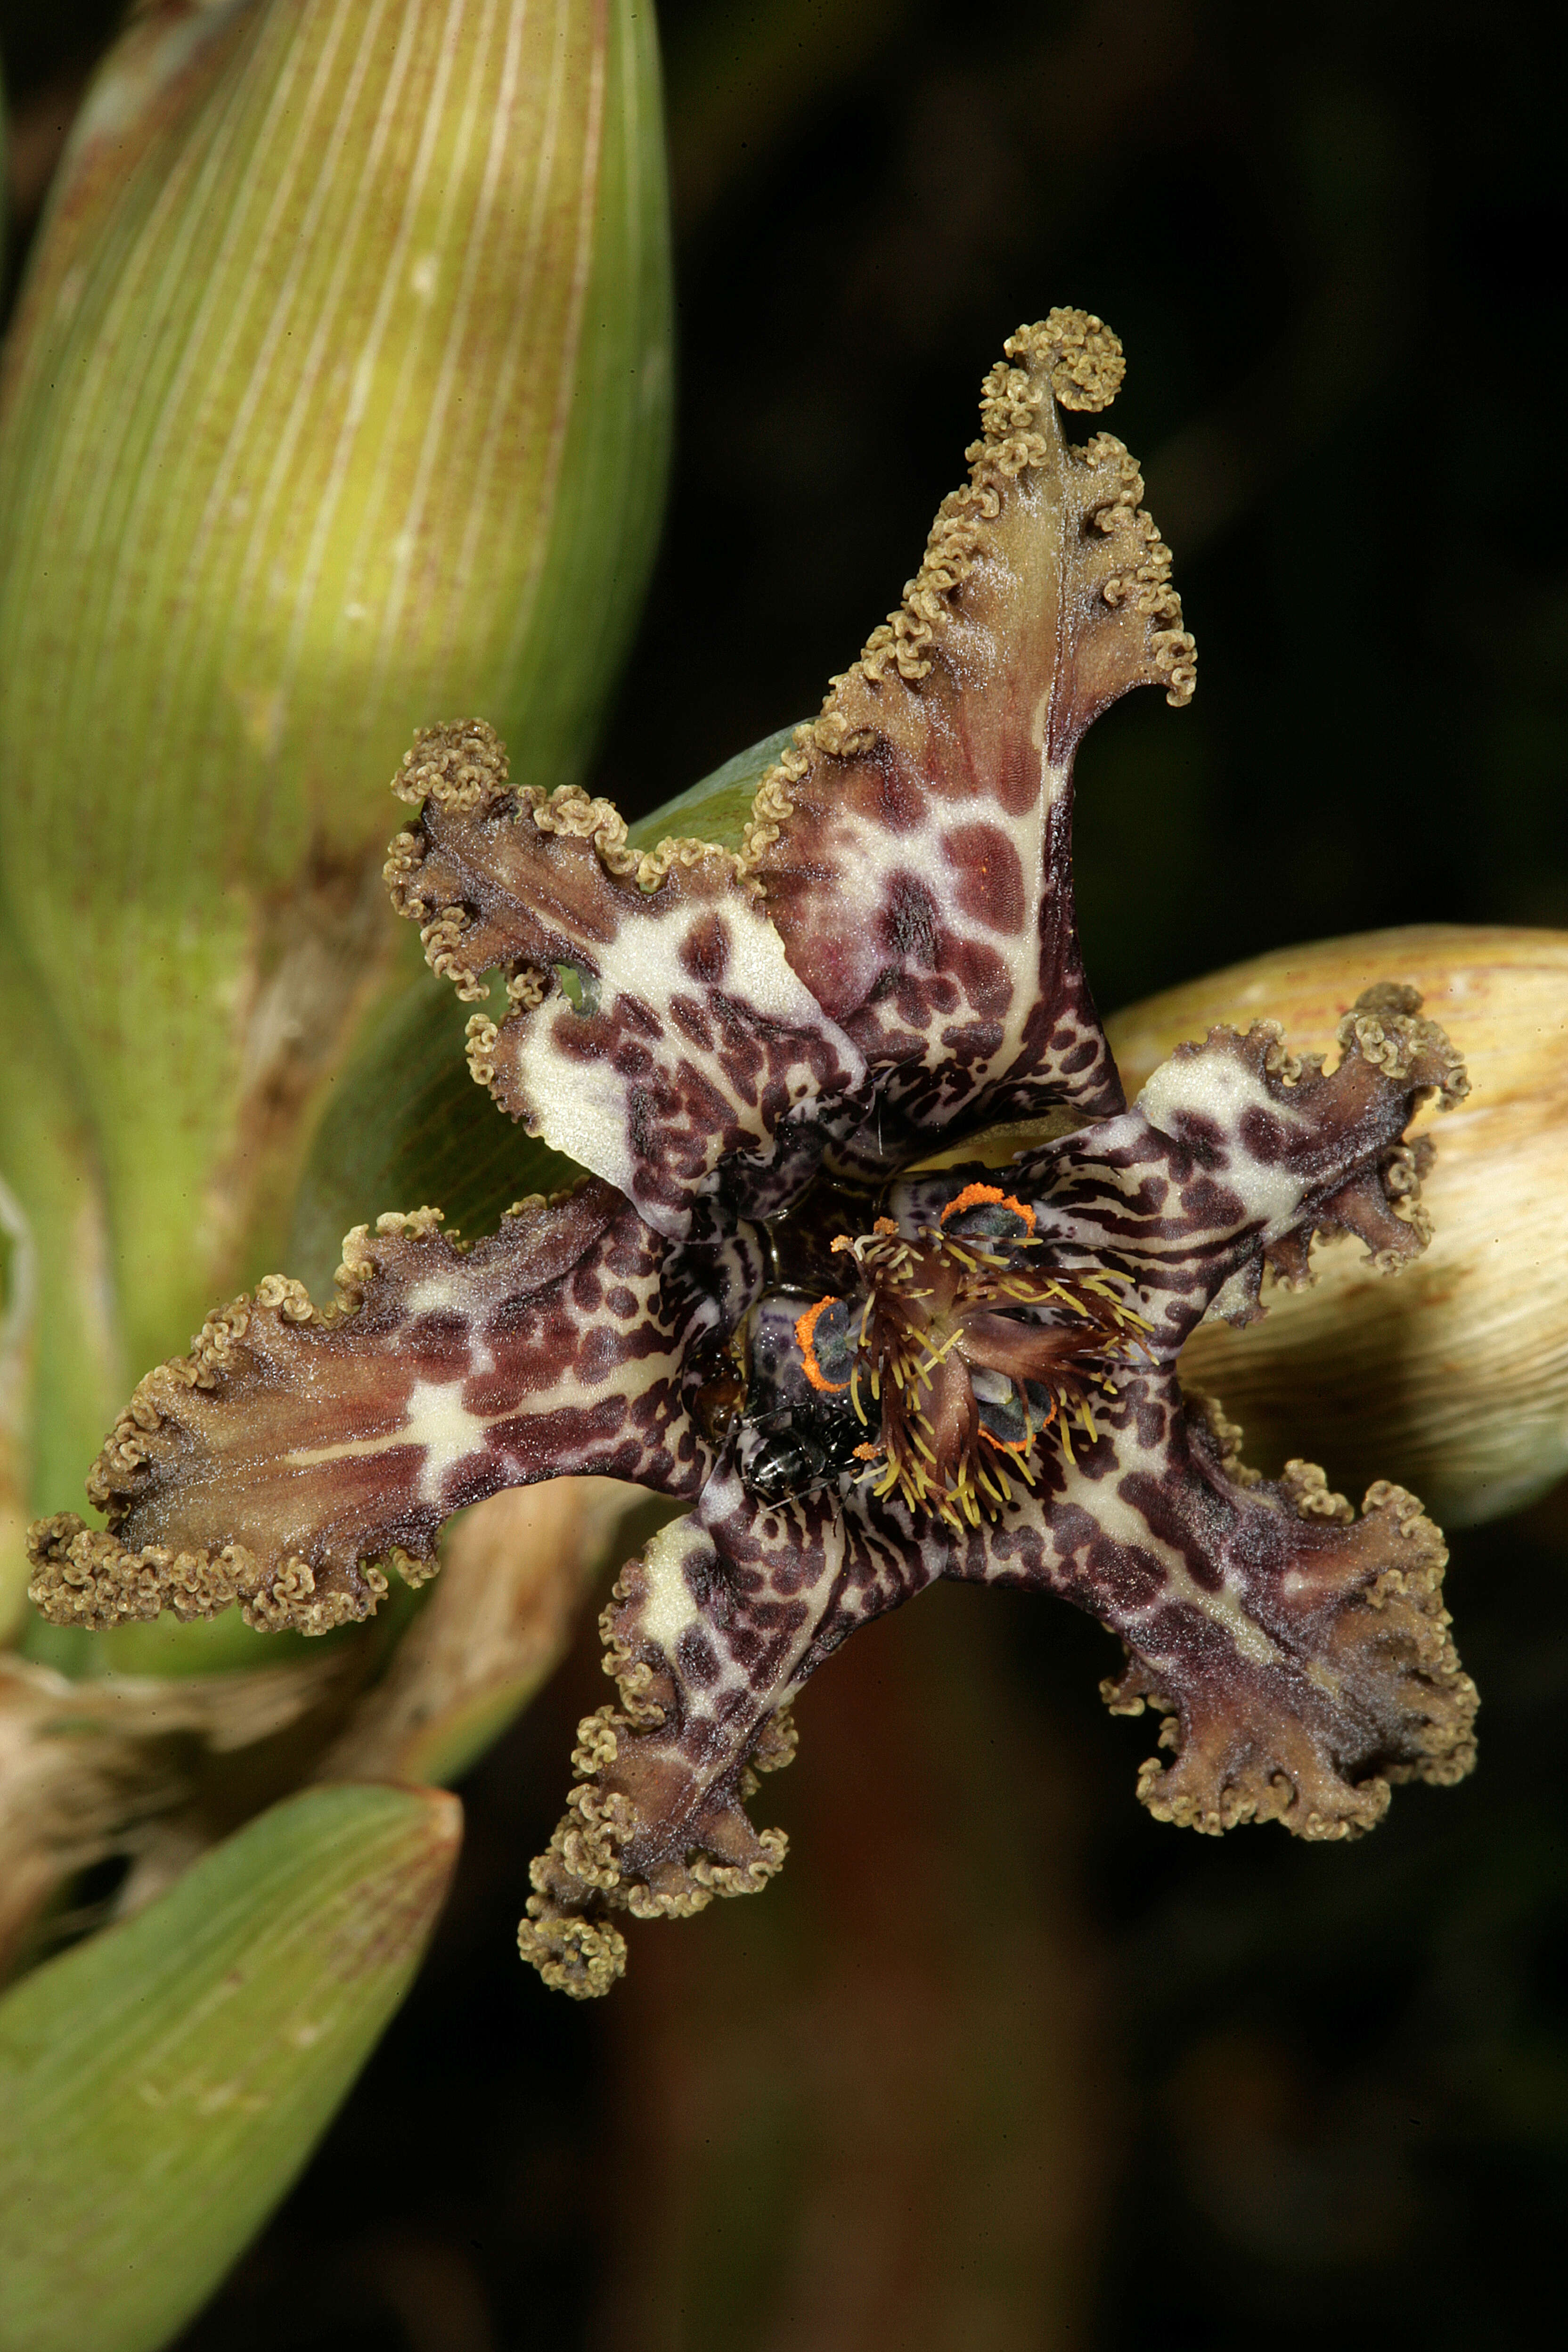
197,2051
1304,2095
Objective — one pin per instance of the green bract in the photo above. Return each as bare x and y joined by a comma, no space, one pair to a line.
338,396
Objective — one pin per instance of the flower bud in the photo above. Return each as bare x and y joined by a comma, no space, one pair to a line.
337,399
1452,1379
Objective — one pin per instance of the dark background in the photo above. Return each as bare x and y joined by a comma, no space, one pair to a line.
998,2062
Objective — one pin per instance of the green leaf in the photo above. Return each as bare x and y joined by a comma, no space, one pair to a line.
163,2083
62,1377
717,808
337,402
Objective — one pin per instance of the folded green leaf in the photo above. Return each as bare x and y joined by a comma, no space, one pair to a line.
163,2083
337,401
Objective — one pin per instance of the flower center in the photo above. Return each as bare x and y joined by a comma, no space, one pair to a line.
957,1351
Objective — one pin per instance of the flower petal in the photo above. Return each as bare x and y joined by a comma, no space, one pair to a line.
657,1032
1301,1654
709,1635
291,1447
1235,1155
915,847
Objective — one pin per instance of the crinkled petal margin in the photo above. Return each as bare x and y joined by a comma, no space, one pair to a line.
293,1449
916,845
653,1030
709,1635
1234,1158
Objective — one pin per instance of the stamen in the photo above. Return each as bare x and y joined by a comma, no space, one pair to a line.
806,1325
977,1196
945,1301
935,1355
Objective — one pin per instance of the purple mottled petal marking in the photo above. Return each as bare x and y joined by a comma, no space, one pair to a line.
1302,1656
709,1634
655,1031
1301,1653
291,1447
1233,1157
916,847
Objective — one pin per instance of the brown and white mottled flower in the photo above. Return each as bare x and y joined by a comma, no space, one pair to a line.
862,1372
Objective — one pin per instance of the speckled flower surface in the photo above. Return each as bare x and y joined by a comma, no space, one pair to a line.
862,1371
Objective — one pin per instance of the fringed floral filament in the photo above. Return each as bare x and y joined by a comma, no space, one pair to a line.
952,1320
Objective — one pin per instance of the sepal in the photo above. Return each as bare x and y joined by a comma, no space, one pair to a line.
1327,1673
655,1031
294,1449
915,846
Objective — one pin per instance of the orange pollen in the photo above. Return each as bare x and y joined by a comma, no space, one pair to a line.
985,1196
1018,1444
805,1326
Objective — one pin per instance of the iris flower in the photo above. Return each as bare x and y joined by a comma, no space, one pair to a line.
803,1289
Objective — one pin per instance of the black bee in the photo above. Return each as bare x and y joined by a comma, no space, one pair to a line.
797,1437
